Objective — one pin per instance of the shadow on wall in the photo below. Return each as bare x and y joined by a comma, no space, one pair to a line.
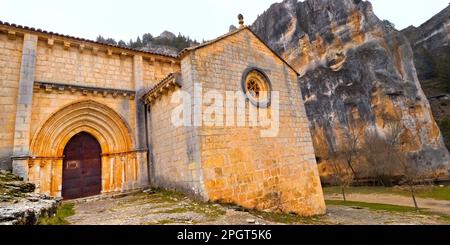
5,163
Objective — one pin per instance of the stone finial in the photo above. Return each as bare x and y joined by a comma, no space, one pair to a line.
241,20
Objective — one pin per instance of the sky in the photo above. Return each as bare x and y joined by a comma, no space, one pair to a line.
199,19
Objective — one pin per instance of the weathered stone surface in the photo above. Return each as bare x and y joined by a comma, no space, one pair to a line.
30,109
431,45
10,62
356,70
162,49
19,205
235,163
28,210
430,40
151,209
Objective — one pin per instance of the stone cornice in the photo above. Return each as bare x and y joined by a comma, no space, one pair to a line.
167,84
61,88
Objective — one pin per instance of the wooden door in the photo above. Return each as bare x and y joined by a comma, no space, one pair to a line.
82,175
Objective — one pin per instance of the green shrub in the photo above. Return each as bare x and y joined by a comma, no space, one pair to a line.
63,212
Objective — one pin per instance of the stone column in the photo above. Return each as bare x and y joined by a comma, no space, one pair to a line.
24,106
140,134
106,174
57,169
142,178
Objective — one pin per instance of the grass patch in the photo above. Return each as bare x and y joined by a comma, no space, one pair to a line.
277,217
209,210
179,210
444,217
374,206
161,195
63,212
433,192
389,208
163,222
284,218
170,221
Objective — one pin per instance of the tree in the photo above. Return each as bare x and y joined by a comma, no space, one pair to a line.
409,168
147,38
411,174
138,43
342,175
101,39
378,165
131,43
349,149
122,44
111,41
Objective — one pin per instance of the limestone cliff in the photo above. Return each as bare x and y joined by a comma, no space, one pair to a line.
356,71
431,45
429,41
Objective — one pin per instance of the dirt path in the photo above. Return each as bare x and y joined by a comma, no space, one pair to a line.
156,208
431,204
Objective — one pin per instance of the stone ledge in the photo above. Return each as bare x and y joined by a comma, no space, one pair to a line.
85,90
167,84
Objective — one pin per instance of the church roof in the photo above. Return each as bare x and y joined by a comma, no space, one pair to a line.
179,56
40,31
211,42
170,81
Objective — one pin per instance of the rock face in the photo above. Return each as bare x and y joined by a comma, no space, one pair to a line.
19,205
167,35
431,46
430,40
160,49
357,72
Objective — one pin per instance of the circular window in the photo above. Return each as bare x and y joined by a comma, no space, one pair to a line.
257,87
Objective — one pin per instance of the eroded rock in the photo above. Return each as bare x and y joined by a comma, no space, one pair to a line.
357,71
19,205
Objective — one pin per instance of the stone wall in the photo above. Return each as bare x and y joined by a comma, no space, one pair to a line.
69,65
154,72
45,104
173,160
69,85
237,164
10,60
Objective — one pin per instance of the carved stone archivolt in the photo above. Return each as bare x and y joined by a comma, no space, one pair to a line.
86,116
120,168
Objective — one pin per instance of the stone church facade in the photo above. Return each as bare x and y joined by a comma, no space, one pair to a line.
81,118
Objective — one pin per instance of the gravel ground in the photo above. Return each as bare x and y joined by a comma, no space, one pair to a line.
163,208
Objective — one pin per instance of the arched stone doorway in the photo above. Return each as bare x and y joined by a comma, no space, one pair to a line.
123,167
82,167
